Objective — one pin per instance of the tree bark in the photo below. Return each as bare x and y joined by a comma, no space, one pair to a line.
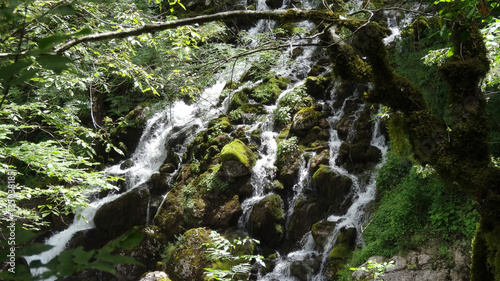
459,152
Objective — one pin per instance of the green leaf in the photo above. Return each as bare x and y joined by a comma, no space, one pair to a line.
129,241
82,257
103,267
56,63
33,249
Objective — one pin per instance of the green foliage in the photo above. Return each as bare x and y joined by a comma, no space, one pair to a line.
290,103
375,269
67,262
287,147
49,153
414,208
222,250
213,183
417,57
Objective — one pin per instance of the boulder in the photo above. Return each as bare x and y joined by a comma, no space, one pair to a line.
332,188
304,270
322,158
316,86
188,260
237,159
239,99
304,119
340,253
320,232
266,220
226,215
148,253
116,217
306,212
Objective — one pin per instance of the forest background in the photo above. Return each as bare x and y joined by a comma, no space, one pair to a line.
64,106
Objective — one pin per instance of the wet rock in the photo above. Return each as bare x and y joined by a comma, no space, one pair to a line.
266,220
307,211
187,261
239,98
358,156
158,183
89,239
227,214
316,70
322,158
120,215
130,130
305,269
237,159
304,119
340,253
316,86
320,232
332,188
266,93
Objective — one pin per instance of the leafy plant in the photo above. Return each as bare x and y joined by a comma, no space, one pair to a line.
67,262
375,269
221,250
290,103
287,146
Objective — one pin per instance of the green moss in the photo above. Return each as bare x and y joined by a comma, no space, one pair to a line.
339,252
305,119
281,82
238,99
266,93
238,151
222,122
316,86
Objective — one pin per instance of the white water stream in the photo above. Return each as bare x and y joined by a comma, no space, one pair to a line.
151,152
147,158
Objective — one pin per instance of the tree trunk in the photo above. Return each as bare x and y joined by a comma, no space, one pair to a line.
459,153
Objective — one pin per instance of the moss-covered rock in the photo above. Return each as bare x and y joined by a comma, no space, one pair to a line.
340,253
226,215
316,86
306,212
321,231
187,261
266,93
305,119
266,220
281,82
332,188
239,99
237,159
358,156
321,158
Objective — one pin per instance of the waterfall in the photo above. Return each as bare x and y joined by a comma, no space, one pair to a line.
147,158
188,119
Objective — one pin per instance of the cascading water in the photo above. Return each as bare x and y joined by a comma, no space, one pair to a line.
147,159
167,124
